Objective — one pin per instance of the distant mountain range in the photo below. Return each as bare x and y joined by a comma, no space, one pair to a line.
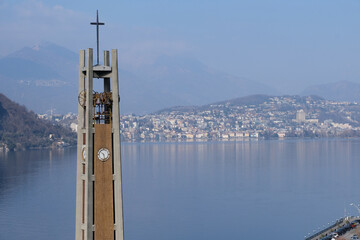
255,99
172,81
251,100
41,78
44,77
338,91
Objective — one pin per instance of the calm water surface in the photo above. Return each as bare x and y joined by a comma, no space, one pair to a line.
224,190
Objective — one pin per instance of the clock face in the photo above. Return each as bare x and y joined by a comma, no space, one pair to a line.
103,154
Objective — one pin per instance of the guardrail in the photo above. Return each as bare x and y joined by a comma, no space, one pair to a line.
337,223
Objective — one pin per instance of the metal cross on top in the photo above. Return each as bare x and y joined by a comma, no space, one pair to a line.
97,23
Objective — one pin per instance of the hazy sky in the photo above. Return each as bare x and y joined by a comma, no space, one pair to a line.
284,43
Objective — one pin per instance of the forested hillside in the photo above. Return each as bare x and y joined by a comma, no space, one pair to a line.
22,129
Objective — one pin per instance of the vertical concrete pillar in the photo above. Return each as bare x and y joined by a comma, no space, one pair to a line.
106,63
79,166
89,149
119,218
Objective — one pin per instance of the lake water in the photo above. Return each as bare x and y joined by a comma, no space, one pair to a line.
217,190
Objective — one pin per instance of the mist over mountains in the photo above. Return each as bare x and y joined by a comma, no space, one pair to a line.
41,78
45,77
338,91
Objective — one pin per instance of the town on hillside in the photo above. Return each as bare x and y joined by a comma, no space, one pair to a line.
262,117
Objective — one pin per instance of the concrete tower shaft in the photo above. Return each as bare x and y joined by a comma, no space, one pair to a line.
99,210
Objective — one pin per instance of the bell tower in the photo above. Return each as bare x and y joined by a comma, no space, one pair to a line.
99,210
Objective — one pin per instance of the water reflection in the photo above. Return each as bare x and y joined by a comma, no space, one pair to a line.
190,190
37,194
217,190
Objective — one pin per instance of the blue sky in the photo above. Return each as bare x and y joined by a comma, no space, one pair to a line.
287,44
